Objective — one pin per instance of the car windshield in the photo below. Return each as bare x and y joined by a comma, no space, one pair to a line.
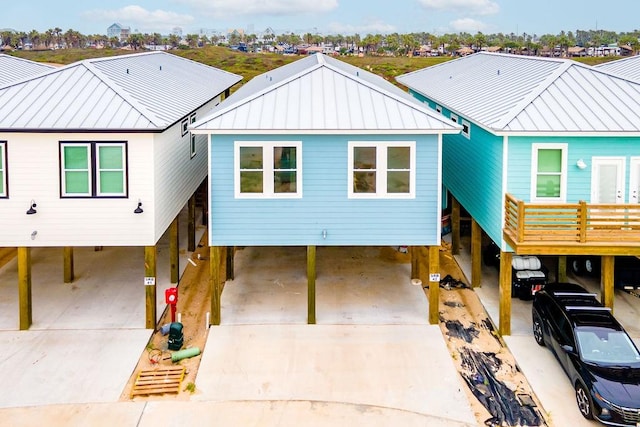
606,346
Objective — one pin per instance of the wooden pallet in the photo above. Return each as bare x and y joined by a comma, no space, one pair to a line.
158,381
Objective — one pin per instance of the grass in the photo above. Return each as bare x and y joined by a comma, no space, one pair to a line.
250,65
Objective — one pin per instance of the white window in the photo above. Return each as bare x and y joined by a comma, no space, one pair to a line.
382,169
466,129
268,169
438,108
549,172
93,169
4,191
454,118
192,146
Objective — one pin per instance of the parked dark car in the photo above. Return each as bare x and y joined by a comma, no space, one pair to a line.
528,274
626,271
599,357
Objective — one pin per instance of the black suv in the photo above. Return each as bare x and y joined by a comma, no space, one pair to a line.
594,350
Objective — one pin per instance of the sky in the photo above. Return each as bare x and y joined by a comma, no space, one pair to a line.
324,17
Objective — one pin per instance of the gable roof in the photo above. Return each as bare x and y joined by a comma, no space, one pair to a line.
13,69
139,92
626,67
525,94
320,94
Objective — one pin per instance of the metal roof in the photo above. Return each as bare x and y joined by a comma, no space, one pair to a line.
625,67
13,69
146,91
513,93
322,94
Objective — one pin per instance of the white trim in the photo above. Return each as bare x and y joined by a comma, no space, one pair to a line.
3,169
454,118
612,160
297,132
381,170
123,152
466,134
267,169
505,180
63,169
535,147
438,108
634,179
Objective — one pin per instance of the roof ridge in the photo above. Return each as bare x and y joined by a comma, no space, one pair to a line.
120,91
536,92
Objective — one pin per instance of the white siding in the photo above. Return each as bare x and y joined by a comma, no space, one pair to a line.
177,175
33,169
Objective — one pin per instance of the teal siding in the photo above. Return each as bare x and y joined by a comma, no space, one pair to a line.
324,204
472,172
578,180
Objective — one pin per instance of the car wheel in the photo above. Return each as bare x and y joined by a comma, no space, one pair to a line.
576,266
583,398
538,334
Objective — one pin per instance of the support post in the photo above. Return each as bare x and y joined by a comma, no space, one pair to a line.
455,226
414,251
24,287
434,286
174,242
68,264
311,285
606,281
504,327
191,246
561,273
214,284
476,254
150,285
230,262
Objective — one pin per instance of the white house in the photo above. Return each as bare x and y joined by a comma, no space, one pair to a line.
98,153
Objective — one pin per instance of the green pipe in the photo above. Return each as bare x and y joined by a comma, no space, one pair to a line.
185,354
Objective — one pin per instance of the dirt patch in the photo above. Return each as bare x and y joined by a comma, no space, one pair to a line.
498,391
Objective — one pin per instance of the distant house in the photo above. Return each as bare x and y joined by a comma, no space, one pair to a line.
13,68
548,161
98,153
120,32
321,153
577,51
626,67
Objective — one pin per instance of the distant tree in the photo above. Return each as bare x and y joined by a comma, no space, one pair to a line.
174,40
479,40
135,40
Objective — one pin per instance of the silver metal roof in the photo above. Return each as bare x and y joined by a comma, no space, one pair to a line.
322,94
13,69
147,91
626,67
512,93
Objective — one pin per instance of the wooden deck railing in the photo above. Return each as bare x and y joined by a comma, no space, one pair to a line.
571,222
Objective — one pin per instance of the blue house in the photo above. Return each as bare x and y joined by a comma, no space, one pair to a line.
547,163
321,153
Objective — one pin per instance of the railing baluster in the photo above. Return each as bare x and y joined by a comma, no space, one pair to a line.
521,221
582,221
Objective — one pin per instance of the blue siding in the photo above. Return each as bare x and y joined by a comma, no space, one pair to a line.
472,172
324,205
578,180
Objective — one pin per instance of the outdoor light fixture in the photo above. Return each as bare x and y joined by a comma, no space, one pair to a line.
324,233
581,164
32,208
138,210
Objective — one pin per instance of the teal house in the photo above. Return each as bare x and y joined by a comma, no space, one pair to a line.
548,160
321,153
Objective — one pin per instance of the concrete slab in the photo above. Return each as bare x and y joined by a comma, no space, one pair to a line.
67,366
108,290
353,286
79,415
404,367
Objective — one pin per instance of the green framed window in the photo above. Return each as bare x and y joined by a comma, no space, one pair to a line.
93,169
382,169
549,172
4,186
268,169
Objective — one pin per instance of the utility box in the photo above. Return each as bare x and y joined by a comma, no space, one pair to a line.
176,337
171,296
